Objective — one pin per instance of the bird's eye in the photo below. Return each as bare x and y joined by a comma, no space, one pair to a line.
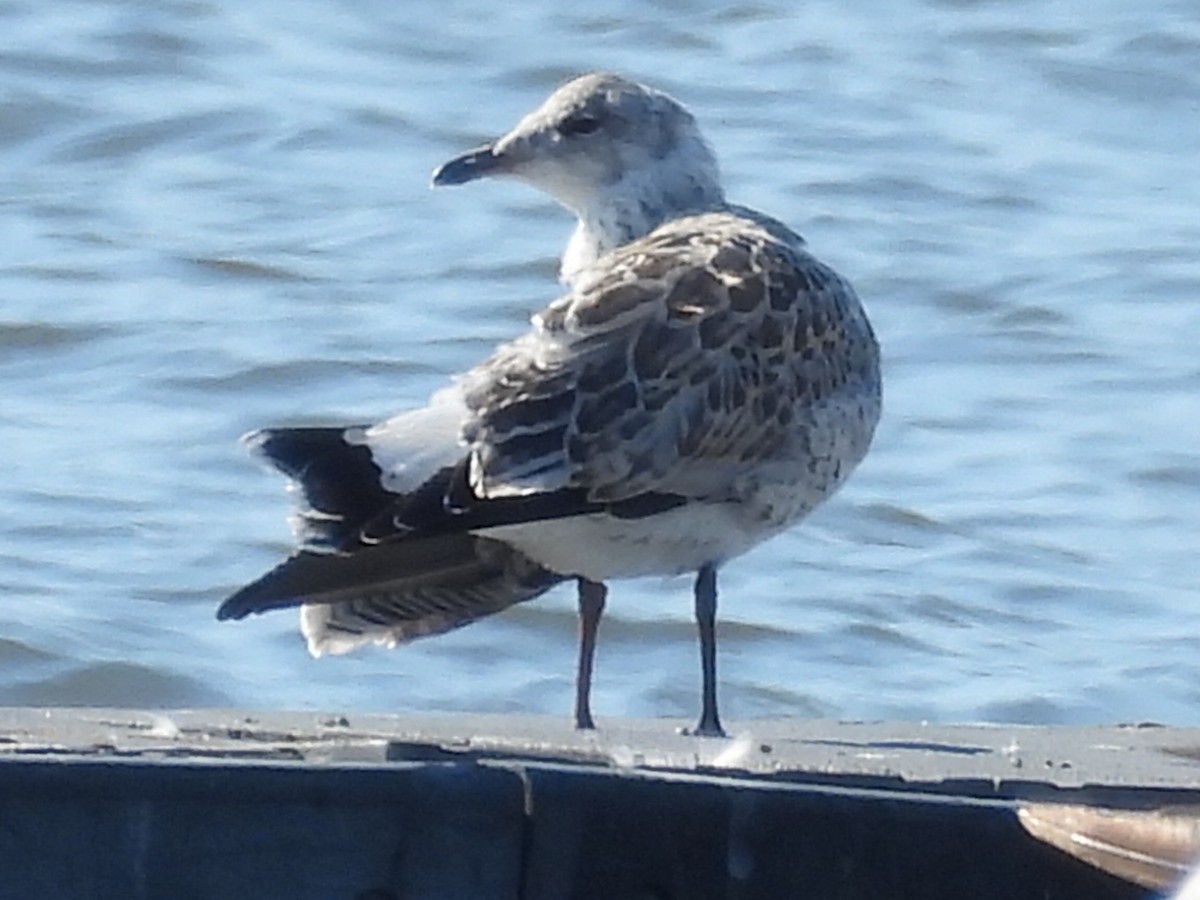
580,124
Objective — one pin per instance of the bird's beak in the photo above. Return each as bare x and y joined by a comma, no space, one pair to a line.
475,164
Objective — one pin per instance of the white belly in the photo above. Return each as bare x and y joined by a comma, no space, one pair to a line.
773,496
602,547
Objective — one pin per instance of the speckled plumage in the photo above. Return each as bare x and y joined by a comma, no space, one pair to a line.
696,356
704,383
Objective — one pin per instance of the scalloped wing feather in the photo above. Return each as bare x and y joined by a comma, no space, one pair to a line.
686,356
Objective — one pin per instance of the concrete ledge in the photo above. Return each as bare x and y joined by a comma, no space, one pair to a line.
118,803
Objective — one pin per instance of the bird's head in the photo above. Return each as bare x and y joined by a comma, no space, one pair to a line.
602,140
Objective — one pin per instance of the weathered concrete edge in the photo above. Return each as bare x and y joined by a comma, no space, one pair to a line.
244,804
1133,766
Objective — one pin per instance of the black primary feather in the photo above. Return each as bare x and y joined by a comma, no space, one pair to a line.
408,561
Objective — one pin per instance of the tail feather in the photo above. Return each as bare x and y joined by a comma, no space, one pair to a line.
339,481
387,566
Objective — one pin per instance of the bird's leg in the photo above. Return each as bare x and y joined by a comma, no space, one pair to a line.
706,617
591,606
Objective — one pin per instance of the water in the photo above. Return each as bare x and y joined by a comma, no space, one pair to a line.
215,216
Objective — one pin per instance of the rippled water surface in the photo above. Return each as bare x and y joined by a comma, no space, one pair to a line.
215,216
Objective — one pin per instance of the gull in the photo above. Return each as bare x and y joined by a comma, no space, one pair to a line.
702,385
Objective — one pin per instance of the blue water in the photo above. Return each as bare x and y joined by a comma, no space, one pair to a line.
215,216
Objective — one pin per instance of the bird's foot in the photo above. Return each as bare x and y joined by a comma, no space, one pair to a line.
708,726
584,722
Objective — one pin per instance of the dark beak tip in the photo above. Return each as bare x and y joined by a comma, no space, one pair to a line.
468,167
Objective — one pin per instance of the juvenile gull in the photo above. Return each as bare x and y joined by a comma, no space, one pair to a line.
704,383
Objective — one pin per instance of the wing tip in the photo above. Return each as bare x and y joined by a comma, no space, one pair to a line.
260,596
239,607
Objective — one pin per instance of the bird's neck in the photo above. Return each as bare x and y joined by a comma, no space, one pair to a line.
633,208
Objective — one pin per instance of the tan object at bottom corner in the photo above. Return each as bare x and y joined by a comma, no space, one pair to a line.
1154,849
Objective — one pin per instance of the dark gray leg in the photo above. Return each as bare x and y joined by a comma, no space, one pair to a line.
706,618
591,606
